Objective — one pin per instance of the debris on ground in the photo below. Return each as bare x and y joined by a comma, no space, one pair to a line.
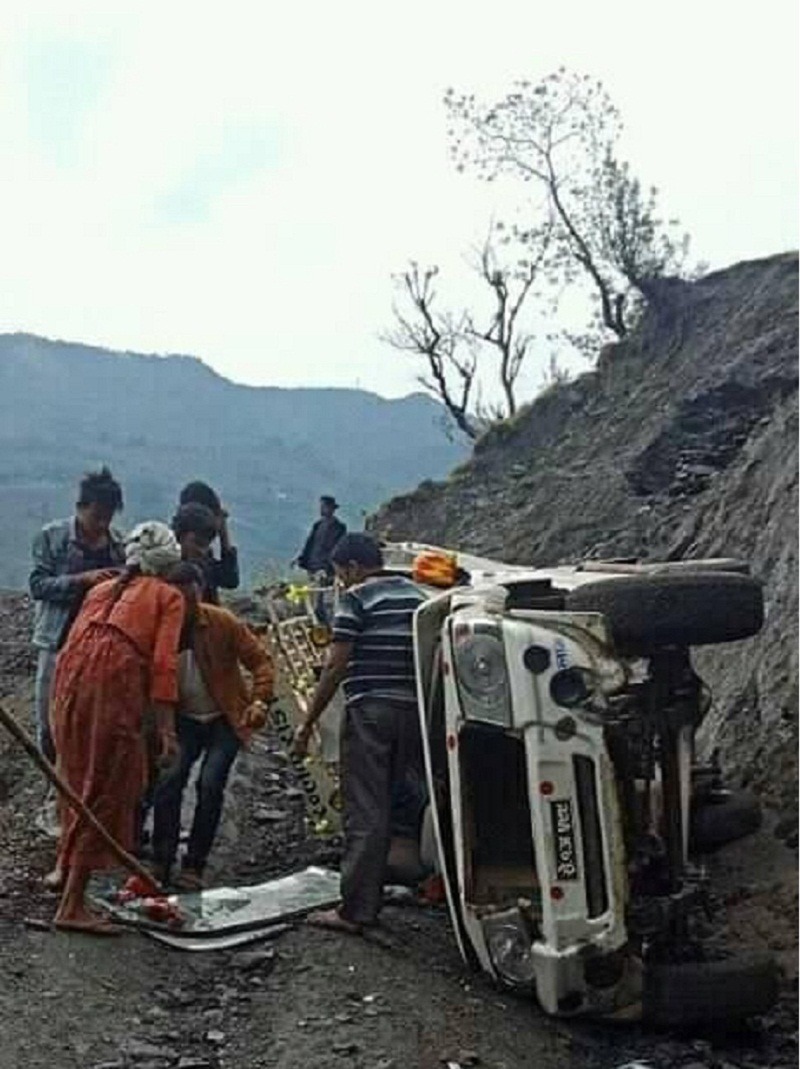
79,1003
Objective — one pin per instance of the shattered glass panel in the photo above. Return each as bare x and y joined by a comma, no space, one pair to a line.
236,909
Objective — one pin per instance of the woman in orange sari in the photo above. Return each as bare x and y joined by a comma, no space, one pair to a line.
120,660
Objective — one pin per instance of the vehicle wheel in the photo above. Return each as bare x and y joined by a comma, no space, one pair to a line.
723,817
675,609
710,564
684,994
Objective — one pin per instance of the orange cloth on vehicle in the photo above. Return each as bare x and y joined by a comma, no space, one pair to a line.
435,568
119,657
223,643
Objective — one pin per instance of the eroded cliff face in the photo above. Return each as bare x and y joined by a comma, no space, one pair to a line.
683,443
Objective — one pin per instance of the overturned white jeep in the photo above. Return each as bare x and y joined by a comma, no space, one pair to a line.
558,711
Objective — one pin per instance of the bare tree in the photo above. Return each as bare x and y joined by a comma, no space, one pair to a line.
470,356
561,134
510,289
421,329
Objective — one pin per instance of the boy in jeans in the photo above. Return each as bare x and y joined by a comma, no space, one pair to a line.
217,713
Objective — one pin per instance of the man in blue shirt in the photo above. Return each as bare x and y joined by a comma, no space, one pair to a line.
69,557
372,655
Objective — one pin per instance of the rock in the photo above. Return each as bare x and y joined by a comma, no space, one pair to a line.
189,1061
345,1046
140,1051
469,1057
37,925
215,1036
248,961
270,816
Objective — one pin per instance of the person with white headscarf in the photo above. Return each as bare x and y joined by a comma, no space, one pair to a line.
120,661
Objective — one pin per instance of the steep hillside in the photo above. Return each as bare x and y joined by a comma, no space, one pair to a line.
683,443
160,421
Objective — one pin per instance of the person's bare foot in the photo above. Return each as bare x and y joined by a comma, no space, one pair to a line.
333,921
83,920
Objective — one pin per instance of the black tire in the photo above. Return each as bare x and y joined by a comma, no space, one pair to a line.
676,609
699,993
710,564
723,817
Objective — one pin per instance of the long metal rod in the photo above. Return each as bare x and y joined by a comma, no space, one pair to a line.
81,809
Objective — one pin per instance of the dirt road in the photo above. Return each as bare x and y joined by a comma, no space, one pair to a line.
314,999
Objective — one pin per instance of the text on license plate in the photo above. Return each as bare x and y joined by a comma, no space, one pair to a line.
564,839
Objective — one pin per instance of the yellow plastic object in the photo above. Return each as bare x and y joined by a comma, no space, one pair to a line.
435,568
320,635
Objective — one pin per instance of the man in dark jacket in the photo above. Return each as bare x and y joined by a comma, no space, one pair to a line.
323,536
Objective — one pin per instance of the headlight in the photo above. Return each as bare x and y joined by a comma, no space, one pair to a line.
508,940
572,686
481,672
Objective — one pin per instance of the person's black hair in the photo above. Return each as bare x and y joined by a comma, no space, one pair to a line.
184,574
199,493
360,549
100,488
194,519
123,580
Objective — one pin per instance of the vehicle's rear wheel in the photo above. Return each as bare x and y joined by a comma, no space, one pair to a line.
688,994
722,817
675,609
710,564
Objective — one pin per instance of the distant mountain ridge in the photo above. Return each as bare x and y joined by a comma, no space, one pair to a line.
159,421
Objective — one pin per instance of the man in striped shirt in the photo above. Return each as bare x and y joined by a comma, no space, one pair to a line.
372,655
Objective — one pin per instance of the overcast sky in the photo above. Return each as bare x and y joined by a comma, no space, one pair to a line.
241,185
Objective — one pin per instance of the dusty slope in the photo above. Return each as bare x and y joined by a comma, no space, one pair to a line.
682,444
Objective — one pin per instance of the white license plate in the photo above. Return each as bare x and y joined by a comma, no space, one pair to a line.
564,839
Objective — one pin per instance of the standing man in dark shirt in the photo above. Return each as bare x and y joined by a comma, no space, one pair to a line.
222,571
372,654
69,557
315,556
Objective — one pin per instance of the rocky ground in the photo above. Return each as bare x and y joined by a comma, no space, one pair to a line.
315,999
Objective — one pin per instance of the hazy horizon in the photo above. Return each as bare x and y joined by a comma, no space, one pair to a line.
240,186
